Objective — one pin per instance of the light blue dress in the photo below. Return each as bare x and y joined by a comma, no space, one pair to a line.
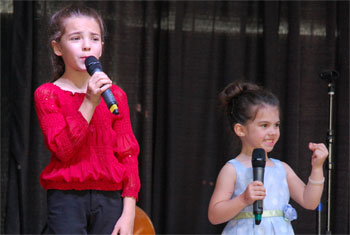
276,200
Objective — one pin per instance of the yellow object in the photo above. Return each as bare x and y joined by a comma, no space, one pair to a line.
113,107
247,215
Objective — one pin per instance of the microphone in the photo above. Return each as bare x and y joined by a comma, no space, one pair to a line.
329,75
93,65
258,163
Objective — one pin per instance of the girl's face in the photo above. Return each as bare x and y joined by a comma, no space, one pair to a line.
262,132
81,39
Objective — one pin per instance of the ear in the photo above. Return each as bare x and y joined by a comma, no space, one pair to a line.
56,48
239,130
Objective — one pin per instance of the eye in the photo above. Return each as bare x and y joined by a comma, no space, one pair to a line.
264,125
96,38
75,38
277,125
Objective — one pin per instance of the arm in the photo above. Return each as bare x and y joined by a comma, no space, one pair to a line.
127,150
125,224
308,196
126,146
63,134
222,206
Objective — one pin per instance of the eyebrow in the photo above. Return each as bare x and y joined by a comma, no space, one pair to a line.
79,32
268,122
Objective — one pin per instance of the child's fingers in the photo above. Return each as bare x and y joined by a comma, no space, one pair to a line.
318,149
323,151
116,231
259,193
311,146
258,188
99,83
319,155
255,191
105,87
99,75
257,183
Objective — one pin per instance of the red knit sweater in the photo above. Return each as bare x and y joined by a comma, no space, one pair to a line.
100,155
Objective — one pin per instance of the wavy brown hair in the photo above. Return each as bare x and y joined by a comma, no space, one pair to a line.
57,29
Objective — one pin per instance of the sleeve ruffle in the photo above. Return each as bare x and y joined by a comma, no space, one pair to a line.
127,148
63,134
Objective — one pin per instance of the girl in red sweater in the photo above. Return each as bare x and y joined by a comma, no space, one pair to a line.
92,180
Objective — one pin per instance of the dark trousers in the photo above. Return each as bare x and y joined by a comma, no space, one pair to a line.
83,212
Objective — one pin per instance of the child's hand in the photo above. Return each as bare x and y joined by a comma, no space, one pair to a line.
124,226
254,191
319,154
98,83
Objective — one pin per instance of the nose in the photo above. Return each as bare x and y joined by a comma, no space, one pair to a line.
86,45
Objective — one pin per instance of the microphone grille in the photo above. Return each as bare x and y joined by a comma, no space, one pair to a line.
329,74
92,65
258,158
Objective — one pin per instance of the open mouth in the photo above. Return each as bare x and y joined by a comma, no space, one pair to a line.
269,142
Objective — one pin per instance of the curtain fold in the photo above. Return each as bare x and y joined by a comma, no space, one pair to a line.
20,107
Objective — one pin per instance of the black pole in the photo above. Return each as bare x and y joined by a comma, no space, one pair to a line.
20,199
330,76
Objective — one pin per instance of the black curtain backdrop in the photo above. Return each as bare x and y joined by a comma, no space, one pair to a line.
173,58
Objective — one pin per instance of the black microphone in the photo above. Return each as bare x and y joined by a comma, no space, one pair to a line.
329,75
93,65
258,163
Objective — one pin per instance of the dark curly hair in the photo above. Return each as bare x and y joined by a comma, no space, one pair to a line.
242,100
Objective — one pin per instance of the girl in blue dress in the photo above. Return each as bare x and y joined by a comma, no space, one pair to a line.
254,117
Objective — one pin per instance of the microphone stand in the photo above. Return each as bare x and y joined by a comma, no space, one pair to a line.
330,76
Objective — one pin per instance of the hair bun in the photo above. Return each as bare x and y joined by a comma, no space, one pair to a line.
234,89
